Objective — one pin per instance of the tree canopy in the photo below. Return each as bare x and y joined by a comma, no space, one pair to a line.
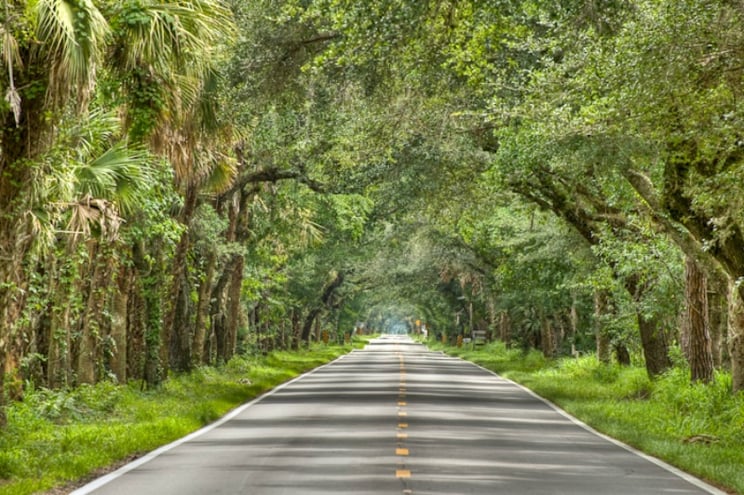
181,181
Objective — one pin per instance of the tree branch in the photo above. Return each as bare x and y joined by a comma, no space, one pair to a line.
321,37
651,205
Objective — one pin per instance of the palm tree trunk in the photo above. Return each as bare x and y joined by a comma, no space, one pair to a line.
176,336
15,241
58,331
119,317
90,355
136,327
202,310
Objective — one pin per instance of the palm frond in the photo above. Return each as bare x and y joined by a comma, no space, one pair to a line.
11,57
221,176
172,36
91,213
99,126
119,175
72,35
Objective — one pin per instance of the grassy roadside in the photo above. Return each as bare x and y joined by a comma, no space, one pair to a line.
698,428
54,438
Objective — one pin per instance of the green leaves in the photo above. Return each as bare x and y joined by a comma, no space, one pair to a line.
72,34
119,173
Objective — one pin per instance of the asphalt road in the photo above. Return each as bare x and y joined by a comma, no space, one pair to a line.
395,418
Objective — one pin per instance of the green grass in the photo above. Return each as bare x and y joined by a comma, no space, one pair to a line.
698,428
57,437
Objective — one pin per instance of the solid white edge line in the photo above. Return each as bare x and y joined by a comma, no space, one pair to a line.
676,471
108,478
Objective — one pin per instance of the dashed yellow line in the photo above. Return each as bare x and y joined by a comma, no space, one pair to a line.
401,450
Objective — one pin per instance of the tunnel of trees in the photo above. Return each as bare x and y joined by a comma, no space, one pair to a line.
181,181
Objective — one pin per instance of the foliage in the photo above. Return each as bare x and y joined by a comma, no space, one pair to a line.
181,181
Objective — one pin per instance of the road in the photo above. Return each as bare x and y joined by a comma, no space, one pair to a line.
395,418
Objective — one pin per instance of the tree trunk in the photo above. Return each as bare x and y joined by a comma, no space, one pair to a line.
3,360
700,354
547,341
505,329
296,329
58,337
20,143
219,309
179,346
492,316
307,328
718,317
153,372
325,300
655,345
574,316
151,277
602,306
622,354
736,334
176,336
136,327
233,309
202,310
14,244
654,340
90,327
119,317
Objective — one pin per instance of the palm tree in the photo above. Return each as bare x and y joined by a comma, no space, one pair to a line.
158,50
70,37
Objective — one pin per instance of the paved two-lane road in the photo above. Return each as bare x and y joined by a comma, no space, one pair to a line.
395,418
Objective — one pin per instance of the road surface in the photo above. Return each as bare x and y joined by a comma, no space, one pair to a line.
395,418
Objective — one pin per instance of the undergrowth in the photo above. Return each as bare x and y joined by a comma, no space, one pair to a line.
697,427
55,437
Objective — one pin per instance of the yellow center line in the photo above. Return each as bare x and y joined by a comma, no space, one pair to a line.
401,472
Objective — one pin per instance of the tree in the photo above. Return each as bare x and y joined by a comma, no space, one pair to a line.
53,56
